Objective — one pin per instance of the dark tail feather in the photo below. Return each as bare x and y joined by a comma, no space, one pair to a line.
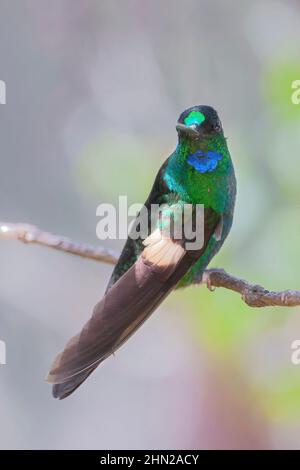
65,389
127,304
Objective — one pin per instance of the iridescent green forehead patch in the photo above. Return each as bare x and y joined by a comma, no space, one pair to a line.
195,117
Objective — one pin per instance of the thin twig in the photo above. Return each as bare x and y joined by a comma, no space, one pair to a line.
253,295
32,234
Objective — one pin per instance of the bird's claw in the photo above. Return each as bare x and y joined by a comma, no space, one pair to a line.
207,280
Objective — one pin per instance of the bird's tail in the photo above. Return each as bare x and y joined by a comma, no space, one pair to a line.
126,305
63,390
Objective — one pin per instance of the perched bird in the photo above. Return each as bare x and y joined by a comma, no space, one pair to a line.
199,171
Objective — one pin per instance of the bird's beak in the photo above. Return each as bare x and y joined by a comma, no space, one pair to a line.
189,131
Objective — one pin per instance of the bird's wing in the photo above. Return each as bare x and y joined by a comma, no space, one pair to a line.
133,247
124,308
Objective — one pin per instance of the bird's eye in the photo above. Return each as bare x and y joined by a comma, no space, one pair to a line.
217,127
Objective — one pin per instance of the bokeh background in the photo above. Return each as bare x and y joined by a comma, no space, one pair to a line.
94,89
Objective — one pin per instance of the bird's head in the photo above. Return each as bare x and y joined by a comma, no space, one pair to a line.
199,122
202,145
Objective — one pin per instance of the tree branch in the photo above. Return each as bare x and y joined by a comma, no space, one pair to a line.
252,295
32,234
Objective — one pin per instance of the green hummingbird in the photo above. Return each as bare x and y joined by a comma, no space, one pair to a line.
198,172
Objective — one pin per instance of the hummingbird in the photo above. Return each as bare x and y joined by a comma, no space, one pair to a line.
199,172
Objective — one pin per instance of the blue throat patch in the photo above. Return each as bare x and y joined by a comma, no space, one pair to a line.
204,162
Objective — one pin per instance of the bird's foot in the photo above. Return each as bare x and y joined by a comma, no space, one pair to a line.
206,279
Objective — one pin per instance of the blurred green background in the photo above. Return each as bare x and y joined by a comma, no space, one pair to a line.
94,89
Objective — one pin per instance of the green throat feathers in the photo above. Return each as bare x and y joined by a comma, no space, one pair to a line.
196,183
